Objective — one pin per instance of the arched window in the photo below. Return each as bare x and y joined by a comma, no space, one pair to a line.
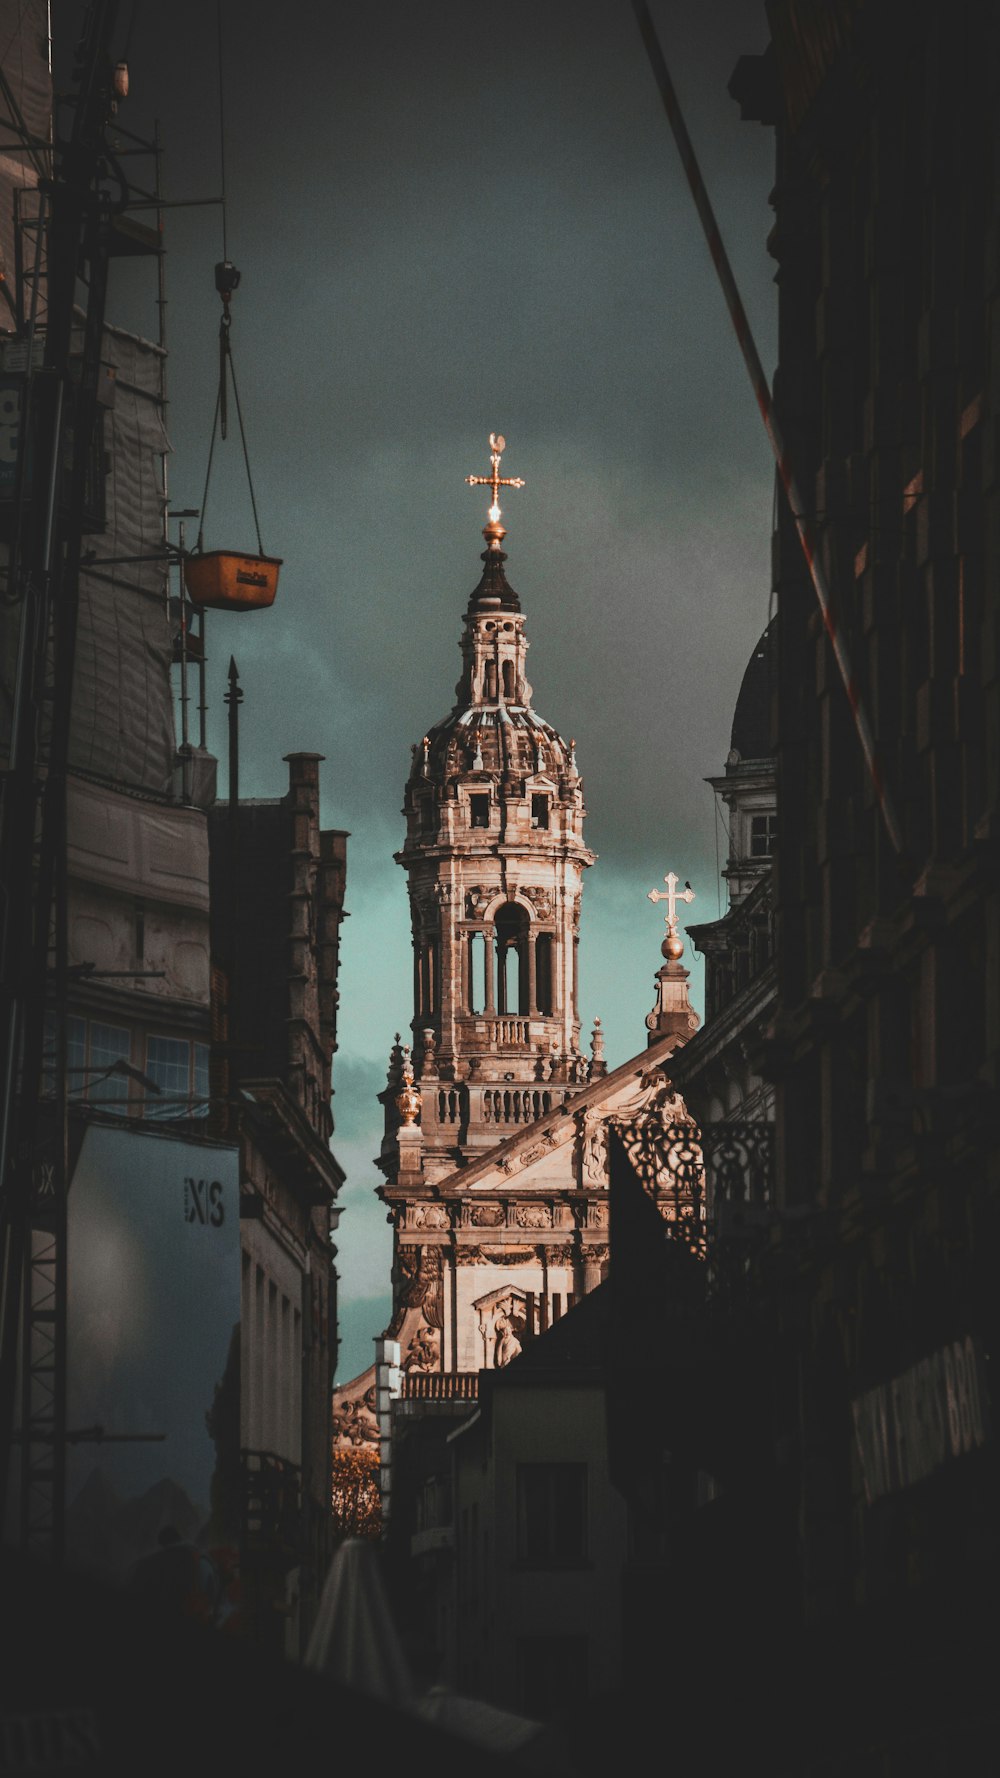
491,682
543,972
508,681
511,937
427,978
477,972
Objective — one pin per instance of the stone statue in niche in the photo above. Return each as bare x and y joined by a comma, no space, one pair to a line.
593,1150
502,1320
506,1343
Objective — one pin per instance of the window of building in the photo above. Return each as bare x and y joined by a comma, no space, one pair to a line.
92,1049
109,1044
76,1054
180,1070
543,972
539,809
479,811
551,1515
477,972
763,835
511,941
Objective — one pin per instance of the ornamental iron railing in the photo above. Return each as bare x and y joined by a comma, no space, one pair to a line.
710,1182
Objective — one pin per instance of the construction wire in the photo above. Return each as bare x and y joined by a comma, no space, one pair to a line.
222,131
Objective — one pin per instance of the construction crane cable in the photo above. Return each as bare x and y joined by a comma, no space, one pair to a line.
765,405
222,126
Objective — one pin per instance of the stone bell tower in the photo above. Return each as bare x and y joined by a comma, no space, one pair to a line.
494,854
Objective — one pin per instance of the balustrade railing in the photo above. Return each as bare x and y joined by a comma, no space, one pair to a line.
520,1105
439,1386
509,1033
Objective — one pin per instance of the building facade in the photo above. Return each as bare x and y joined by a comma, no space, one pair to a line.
198,1125
495,1152
829,1411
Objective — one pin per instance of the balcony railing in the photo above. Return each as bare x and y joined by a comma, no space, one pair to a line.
509,1033
739,1173
714,1180
439,1386
515,1105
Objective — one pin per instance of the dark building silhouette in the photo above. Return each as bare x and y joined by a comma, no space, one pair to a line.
815,1513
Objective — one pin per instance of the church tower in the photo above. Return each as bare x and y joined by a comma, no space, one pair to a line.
494,855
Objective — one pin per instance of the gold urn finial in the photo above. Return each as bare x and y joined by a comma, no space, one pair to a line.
495,532
672,947
408,1098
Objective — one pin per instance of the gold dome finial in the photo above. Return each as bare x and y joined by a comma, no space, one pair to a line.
495,532
408,1097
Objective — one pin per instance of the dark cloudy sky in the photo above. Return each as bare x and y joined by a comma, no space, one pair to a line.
452,219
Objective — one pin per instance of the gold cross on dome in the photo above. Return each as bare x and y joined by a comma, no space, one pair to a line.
496,481
671,897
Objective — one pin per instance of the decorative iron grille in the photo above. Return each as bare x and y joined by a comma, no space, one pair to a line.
739,1170
668,1160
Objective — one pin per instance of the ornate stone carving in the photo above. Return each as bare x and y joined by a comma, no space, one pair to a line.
562,1254
477,900
408,1098
534,1153
593,1148
354,1422
425,1350
541,901
533,1216
418,1278
486,1216
597,1216
428,1216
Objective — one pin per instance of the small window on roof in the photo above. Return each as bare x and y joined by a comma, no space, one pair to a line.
479,808
763,835
539,809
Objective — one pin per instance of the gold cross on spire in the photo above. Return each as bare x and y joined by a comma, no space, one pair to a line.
671,898
496,481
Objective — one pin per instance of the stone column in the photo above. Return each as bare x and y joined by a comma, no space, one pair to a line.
532,1003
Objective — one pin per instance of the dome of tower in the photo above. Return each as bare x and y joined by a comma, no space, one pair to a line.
751,732
492,726
507,739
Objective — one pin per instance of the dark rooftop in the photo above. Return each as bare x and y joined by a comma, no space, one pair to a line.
751,734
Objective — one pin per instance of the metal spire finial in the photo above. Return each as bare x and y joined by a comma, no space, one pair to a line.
672,946
494,531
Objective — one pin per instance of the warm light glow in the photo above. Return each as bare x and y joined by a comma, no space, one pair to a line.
495,481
